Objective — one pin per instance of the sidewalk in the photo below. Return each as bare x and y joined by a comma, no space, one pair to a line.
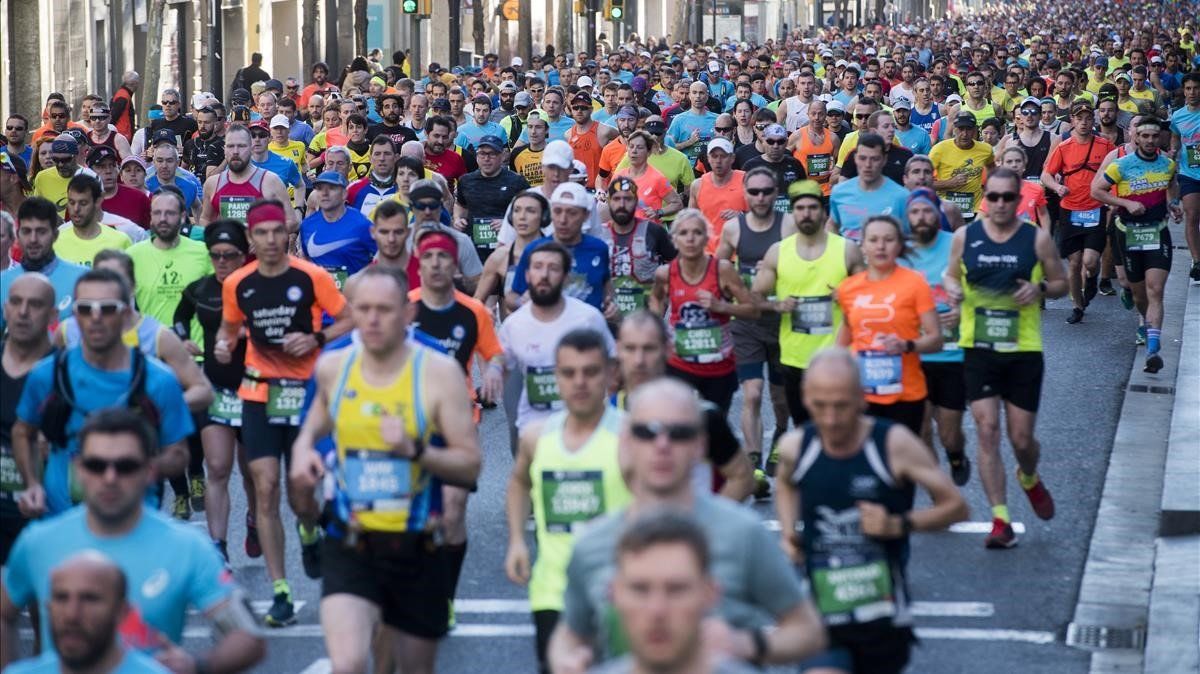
1139,600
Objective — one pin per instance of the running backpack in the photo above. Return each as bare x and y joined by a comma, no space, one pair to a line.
56,411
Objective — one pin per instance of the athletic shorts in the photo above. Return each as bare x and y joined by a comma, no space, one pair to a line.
401,573
1074,239
1116,245
910,413
865,649
1136,262
265,440
1188,186
945,385
756,344
1014,377
717,390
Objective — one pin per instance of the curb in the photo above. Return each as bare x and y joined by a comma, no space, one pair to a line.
1113,608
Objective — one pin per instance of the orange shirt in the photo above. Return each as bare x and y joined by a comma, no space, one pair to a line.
586,146
873,309
653,187
713,200
46,129
611,155
1076,164
817,160
272,306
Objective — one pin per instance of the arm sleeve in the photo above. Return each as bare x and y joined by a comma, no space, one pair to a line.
772,581
184,311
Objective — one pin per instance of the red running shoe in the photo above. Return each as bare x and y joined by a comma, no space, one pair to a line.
253,548
1002,536
1040,499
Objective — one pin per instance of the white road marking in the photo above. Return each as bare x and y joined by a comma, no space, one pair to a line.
957,528
491,606
953,609
973,634
261,606
321,666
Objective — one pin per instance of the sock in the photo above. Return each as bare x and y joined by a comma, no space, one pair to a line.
1000,512
1153,337
308,536
1027,481
281,587
453,557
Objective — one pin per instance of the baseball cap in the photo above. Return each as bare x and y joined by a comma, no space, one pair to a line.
1081,105
225,231
435,67
330,178
585,81
280,120
572,194
274,84
80,137
656,128
902,103
491,141
424,189
241,96
558,153
964,119
163,136
720,144
581,98
101,153
622,184
835,106
482,99
954,98
259,125
134,159
1123,76
508,86
442,104
627,112
1030,100
775,131
523,99
805,189
64,144
518,62
714,66
1101,61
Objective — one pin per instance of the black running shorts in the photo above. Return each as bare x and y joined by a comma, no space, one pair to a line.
1014,377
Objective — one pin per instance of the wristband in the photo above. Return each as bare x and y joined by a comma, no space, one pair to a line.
1042,286
759,636
906,525
418,451
909,346
320,337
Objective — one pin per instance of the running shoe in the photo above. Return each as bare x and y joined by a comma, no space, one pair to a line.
773,460
1194,274
453,621
1140,337
1002,536
1154,363
1090,287
253,547
310,552
1076,316
183,508
1039,499
282,612
1127,299
960,468
485,404
223,548
1106,287
196,487
762,486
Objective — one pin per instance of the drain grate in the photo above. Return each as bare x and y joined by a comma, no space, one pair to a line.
1142,388
1100,637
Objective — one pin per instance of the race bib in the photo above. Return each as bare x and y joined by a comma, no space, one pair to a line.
1086,218
1143,237
996,329
482,233
376,481
1193,155
863,591
782,204
628,295
285,400
226,408
965,202
339,275
818,164
10,478
813,315
570,497
698,345
881,372
235,207
541,388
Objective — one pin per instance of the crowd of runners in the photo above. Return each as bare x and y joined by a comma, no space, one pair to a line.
329,279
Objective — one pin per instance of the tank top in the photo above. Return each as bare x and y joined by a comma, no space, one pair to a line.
990,318
586,146
983,114
752,246
10,478
856,579
1036,154
713,201
814,323
143,335
111,141
374,489
702,343
232,200
817,159
632,270
797,115
569,489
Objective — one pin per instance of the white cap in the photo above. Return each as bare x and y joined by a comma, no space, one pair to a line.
901,103
585,81
720,144
517,62
572,194
280,120
198,101
953,98
835,104
558,153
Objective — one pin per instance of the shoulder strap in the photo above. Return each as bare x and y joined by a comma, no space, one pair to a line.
877,457
343,375
62,378
810,451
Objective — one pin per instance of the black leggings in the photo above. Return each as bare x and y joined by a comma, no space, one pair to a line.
543,625
793,389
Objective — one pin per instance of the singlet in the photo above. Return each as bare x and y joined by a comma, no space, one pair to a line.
797,113
925,120
713,200
569,489
814,323
142,336
10,478
110,142
751,249
856,579
202,300
983,114
1036,155
586,146
1145,182
232,200
990,318
701,342
633,265
378,491
1186,123
817,159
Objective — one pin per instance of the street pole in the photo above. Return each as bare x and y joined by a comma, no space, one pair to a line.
714,23
417,64
591,8
455,32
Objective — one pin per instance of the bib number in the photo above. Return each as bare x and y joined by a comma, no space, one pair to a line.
996,329
11,483
782,205
541,388
864,591
1193,155
881,372
629,296
226,408
482,233
1143,238
1086,218
285,400
949,335
698,345
571,497
817,164
965,202
813,315
376,482
339,274
235,207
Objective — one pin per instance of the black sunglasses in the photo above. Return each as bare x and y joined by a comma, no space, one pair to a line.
760,191
427,205
1006,197
98,466
723,129
227,256
674,432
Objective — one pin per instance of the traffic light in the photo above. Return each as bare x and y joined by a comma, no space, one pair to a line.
616,10
409,6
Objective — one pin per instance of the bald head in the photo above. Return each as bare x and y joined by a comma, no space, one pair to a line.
414,149
93,565
34,284
29,309
87,603
834,365
669,393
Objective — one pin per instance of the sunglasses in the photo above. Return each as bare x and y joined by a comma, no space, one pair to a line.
674,432
57,116
97,466
98,308
723,129
1006,197
859,115
62,160
582,108
227,256
760,191
427,205
779,141
260,135
761,127
169,102
975,84
14,128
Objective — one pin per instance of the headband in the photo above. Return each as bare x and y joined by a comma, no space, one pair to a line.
436,240
264,212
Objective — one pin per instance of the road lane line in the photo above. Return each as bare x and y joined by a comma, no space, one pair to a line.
491,606
956,528
953,609
971,634
321,666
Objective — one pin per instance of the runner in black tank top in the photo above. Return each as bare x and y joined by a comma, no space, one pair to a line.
1036,155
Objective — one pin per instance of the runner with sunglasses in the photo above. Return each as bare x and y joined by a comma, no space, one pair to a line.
787,169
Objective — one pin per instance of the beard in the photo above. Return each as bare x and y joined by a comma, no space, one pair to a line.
809,227
924,232
545,297
238,164
621,216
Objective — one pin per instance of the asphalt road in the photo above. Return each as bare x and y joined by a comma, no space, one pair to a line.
979,610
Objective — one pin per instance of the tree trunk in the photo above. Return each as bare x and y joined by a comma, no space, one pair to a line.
153,57
680,29
311,42
563,36
503,49
479,15
360,27
525,32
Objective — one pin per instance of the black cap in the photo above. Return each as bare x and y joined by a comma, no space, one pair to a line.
275,84
240,96
163,135
581,98
79,136
440,104
101,153
965,119
227,231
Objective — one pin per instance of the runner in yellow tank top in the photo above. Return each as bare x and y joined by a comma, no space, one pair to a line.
402,422
567,470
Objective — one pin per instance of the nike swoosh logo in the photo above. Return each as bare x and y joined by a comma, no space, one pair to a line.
316,250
